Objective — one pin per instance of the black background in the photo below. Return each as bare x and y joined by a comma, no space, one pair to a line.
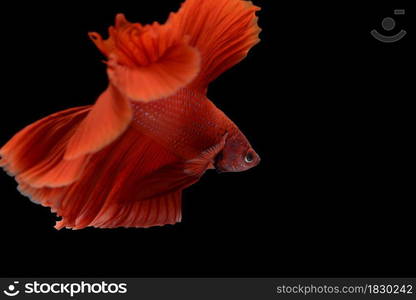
325,105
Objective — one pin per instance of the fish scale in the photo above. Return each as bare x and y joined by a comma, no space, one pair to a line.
187,122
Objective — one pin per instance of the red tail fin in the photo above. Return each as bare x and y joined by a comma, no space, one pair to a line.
109,192
35,154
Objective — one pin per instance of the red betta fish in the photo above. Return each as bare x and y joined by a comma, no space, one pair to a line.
125,160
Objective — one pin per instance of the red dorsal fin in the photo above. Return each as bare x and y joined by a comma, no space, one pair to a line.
222,30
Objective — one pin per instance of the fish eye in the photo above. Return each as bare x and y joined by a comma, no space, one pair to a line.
249,157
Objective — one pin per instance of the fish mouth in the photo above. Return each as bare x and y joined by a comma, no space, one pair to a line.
258,161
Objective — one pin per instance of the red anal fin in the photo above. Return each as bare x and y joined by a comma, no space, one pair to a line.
159,199
158,211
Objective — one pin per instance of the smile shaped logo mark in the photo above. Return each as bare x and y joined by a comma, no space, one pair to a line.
389,24
12,291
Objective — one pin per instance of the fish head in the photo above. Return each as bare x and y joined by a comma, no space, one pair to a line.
237,155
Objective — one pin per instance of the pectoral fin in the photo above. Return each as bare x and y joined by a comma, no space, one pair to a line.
180,175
